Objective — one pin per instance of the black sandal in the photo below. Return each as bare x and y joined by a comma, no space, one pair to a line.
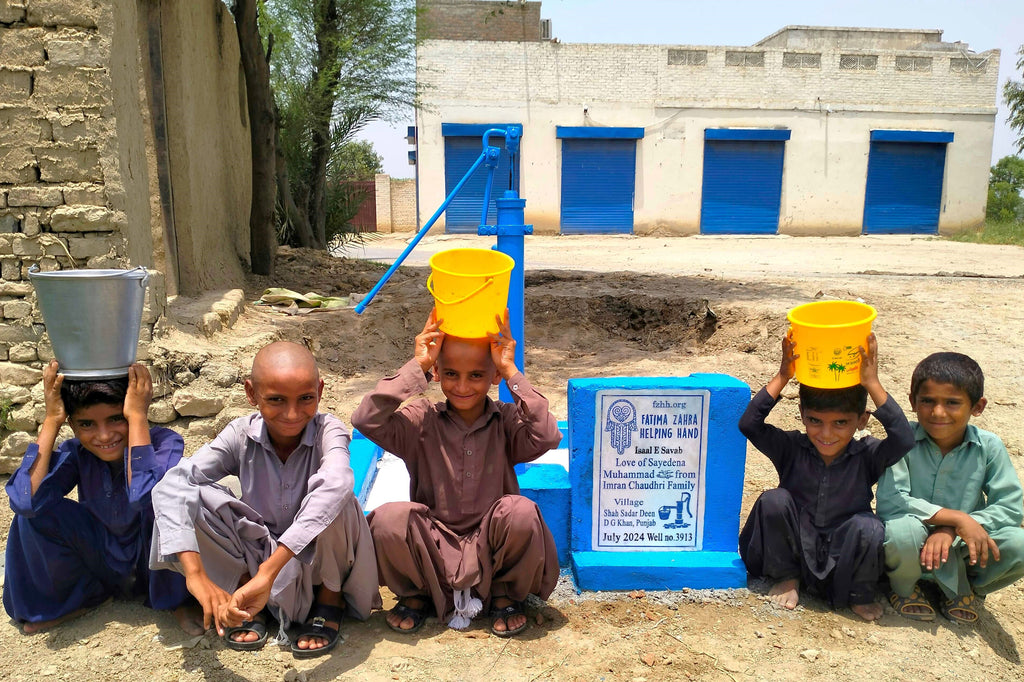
316,626
417,615
505,612
257,626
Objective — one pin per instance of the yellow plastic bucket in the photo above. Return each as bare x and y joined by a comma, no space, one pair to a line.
470,287
827,335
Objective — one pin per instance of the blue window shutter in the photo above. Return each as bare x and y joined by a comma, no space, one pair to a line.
598,183
742,186
463,214
904,187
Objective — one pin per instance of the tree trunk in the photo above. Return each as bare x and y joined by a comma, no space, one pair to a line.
295,217
325,86
262,127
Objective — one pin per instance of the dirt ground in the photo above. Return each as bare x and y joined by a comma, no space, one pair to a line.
609,306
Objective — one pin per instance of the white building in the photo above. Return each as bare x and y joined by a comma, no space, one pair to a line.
812,130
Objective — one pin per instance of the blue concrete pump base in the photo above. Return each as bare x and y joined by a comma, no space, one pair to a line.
601,571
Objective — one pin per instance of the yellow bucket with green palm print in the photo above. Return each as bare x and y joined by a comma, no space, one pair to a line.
828,335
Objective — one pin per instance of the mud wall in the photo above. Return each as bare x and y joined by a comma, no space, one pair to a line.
80,165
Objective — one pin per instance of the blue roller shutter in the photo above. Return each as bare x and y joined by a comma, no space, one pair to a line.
904,187
463,214
742,186
598,183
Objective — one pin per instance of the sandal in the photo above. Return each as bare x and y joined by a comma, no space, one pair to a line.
915,598
960,609
417,615
316,626
504,613
257,626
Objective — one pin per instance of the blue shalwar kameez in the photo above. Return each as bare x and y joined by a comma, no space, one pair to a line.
64,555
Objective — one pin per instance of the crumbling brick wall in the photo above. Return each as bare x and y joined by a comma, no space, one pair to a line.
62,199
114,154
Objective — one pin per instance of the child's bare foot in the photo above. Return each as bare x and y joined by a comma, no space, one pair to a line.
785,593
868,612
40,626
190,618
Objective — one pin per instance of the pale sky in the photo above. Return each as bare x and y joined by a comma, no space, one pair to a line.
982,24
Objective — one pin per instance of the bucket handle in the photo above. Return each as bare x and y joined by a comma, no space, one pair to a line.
145,273
430,288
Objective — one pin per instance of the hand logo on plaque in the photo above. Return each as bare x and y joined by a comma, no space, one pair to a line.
621,422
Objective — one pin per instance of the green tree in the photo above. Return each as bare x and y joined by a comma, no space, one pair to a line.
1006,180
1009,169
1013,95
339,65
357,160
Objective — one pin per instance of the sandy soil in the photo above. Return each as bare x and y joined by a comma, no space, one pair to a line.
609,306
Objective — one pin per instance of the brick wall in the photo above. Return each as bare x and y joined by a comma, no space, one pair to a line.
479,20
78,171
641,75
396,204
830,87
403,205
62,204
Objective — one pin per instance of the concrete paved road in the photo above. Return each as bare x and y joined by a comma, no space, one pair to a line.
745,257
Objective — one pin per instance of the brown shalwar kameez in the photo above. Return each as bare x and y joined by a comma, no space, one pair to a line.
466,525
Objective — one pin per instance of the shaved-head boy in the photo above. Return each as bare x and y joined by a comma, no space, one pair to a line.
295,546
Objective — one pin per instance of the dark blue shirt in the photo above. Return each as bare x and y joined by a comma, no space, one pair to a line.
827,495
103,488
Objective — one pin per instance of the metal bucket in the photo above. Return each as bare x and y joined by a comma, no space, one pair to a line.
93,318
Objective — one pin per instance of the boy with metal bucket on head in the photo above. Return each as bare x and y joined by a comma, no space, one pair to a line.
817,530
65,557
296,542
467,538
953,506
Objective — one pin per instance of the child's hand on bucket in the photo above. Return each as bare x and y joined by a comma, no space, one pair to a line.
139,394
428,342
787,369
52,381
869,363
503,347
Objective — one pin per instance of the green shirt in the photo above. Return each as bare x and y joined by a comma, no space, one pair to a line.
976,477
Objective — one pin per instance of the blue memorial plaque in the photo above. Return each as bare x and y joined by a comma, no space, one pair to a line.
656,475
650,448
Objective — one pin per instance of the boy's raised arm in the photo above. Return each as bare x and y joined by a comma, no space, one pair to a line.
787,367
869,372
770,440
378,417
899,437
136,411
54,419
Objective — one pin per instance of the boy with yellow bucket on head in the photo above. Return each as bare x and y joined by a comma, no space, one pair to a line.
817,530
467,537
